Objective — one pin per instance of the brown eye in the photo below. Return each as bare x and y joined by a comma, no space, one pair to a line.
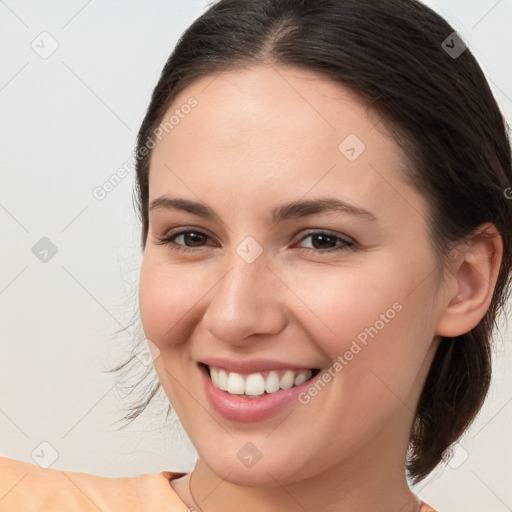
183,240
322,241
192,238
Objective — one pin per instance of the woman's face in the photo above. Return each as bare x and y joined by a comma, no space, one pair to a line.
344,283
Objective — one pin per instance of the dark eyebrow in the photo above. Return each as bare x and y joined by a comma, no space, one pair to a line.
302,208
295,209
168,203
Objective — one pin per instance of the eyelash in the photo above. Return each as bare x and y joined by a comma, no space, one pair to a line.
346,244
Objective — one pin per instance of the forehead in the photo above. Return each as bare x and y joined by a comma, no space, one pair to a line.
260,101
275,131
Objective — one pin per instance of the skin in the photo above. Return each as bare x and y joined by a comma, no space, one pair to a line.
258,138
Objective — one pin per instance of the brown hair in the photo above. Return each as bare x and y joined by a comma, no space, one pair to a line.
442,113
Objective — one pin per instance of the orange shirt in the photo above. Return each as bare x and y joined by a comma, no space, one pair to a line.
26,487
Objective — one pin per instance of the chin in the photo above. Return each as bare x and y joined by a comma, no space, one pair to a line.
265,472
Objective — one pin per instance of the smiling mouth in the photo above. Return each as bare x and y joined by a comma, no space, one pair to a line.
257,384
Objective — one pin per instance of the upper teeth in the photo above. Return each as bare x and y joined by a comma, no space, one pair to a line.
256,384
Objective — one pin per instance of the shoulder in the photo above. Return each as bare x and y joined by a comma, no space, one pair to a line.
28,487
426,508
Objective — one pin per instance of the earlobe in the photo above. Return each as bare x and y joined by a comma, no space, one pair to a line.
474,273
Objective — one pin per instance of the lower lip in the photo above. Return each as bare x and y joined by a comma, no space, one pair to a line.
246,410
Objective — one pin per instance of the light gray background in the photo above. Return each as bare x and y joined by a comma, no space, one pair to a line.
68,123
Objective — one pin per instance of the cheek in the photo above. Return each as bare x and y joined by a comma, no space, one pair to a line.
342,302
373,318
166,297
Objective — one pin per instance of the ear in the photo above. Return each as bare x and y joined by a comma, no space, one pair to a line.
470,285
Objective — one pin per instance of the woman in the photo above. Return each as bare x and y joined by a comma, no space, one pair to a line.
327,245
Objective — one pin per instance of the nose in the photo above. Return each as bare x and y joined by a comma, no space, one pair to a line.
248,300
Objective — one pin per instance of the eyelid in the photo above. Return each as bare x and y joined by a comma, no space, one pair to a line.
328,232
165,239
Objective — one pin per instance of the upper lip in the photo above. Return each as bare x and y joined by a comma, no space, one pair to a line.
252,365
